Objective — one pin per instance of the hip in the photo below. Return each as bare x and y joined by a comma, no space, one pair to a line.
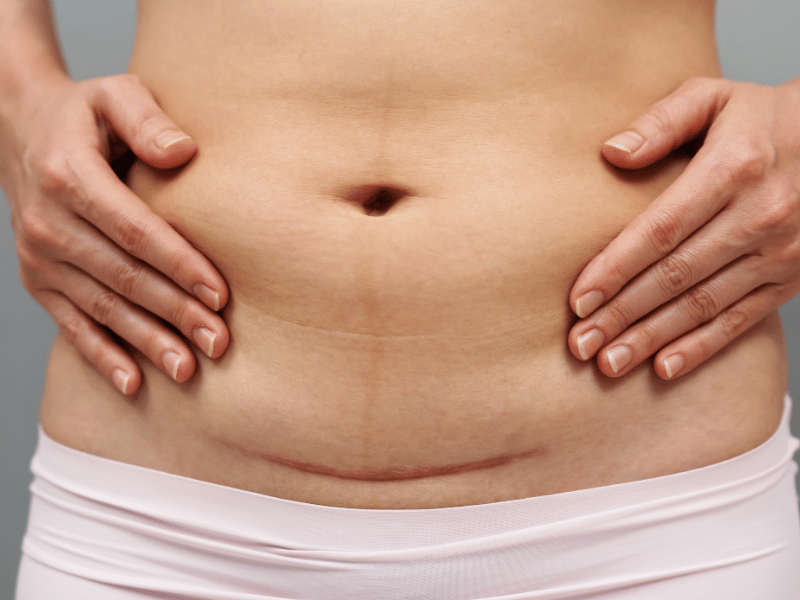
728,530
415,356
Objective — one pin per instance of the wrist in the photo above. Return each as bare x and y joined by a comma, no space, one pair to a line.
31,66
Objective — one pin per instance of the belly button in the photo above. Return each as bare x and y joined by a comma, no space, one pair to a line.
376,200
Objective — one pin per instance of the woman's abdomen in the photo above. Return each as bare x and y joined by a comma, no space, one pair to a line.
399,242
418,357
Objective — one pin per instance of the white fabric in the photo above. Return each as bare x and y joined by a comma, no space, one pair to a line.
101,529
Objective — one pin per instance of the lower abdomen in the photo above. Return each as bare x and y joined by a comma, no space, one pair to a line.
415,358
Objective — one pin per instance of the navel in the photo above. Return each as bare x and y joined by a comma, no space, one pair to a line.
376,200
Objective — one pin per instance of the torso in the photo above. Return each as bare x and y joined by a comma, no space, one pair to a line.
415,358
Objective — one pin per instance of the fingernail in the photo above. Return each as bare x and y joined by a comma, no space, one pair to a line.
172,360
207,296
674,364
590,342
204,338
630,141
619,357
170,138
121,380
588,303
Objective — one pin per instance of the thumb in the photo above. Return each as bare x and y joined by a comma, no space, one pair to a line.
670,123
138,120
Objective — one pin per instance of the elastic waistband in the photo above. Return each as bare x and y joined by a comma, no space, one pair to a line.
195,504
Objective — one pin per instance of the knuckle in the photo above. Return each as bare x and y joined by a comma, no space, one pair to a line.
29,259
779,213
126,278
735,321
129,80
95,349
659,117
702,304
749,158
145,116
180,269
27,280
35,228
700,346
131,235
698,82
55,172
153,343
791,254
102,305
40,238
664,231
616,318
698,87
148,122
180,313
33,267
117,85
71,327
675,274
790,189
647,337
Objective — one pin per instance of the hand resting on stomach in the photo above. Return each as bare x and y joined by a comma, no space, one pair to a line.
414,357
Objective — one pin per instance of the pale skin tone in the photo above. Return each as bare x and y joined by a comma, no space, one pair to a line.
91,253
709,258
408,356
715,252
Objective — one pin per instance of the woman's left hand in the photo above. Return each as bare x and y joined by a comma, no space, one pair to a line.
714,253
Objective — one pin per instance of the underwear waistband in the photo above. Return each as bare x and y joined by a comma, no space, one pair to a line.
732,527
192,503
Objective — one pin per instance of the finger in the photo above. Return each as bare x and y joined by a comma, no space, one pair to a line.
143,331
94,344
100,198
691,310
655,233
692,350
72,240
670,123
138,120
94,254
706,252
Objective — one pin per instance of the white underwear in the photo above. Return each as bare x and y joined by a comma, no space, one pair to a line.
105,530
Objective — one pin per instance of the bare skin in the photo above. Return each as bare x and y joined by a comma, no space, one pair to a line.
409,349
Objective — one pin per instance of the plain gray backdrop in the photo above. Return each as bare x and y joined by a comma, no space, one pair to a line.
759,41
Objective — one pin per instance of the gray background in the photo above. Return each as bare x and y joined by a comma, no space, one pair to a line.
758,42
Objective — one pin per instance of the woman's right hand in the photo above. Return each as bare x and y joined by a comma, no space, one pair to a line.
91,252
